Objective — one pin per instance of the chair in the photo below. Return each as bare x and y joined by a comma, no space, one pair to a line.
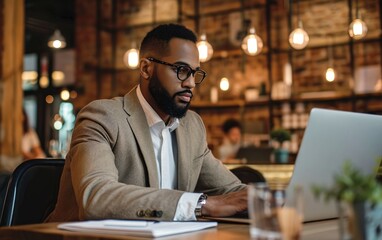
4,178
248,175
32,192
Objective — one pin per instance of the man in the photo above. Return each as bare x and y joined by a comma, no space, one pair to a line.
144,155
232,140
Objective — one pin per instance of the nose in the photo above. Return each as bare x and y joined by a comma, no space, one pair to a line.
189,82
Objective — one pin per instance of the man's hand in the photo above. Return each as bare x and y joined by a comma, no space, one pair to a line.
225,205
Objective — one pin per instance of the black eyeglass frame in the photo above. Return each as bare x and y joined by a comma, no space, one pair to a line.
178,68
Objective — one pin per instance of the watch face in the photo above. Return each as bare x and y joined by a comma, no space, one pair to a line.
203,198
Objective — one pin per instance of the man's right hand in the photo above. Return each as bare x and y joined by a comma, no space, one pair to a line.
225,205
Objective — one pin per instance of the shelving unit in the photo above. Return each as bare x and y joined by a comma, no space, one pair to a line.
340,95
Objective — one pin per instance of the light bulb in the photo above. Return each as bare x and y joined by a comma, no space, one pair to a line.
57,40
58,122
73,94
29,75
357,29
57,43
330,75
252,43
65,95
49,99
131,58
299,38
58,77
224,84
57,125
205,49
44,81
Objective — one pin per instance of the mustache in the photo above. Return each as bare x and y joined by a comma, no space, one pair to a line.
185,91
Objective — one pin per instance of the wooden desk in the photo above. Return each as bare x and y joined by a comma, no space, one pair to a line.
313,231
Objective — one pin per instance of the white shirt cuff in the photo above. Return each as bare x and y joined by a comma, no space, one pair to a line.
185,211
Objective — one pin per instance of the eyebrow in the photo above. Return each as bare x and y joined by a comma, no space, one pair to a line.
186,64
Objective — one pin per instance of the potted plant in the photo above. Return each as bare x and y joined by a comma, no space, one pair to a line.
364,196
281,135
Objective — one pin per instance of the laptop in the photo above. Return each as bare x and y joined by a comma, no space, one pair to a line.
254,154
331,138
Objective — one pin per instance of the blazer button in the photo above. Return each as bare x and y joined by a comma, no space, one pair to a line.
140,213
154,213
148,213
158,214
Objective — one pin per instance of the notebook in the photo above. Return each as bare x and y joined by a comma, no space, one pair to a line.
253,154
136,227
331,138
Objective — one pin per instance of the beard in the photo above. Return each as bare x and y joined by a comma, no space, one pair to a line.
165,101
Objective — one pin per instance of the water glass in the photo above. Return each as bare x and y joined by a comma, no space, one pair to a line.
268,216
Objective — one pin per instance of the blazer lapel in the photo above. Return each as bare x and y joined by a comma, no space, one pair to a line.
137,120
184,164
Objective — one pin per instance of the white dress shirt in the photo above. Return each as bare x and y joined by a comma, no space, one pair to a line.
166,154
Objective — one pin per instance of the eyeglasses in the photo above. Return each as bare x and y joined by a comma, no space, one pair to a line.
183,71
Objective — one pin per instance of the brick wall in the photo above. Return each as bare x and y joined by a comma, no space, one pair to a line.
325,21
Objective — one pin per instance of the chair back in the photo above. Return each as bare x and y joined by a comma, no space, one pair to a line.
32,192
248,175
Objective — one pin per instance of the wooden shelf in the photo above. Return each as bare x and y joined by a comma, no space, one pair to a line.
261,101
323,96
219,104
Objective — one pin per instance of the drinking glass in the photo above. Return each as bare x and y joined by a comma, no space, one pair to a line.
269,218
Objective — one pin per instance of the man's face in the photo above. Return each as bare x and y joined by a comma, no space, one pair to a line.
234,135
172,96
166,102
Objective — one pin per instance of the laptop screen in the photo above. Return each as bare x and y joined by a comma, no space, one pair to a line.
331,138
254,154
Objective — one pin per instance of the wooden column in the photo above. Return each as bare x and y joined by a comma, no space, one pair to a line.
11,62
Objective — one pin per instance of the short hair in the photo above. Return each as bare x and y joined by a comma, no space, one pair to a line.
156,41
229,124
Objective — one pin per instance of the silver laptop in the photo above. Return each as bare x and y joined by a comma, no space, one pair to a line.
331,138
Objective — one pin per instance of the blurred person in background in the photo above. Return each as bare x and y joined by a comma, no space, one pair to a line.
231,142
30,143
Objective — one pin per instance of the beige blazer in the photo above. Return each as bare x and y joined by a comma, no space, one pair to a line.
110,170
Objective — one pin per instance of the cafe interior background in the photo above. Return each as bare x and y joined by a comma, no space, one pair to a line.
268,62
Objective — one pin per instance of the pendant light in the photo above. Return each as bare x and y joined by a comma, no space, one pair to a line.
224,84
65,94
330,74
298,38
57,40
252,43
357,28
58,122
205,49
131,57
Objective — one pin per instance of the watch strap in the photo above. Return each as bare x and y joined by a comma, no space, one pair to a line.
202,201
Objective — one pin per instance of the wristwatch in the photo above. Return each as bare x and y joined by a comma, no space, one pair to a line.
202,201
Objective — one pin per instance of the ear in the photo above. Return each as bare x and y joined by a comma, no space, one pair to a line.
146,68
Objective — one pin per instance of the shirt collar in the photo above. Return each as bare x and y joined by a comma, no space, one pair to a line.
152,116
